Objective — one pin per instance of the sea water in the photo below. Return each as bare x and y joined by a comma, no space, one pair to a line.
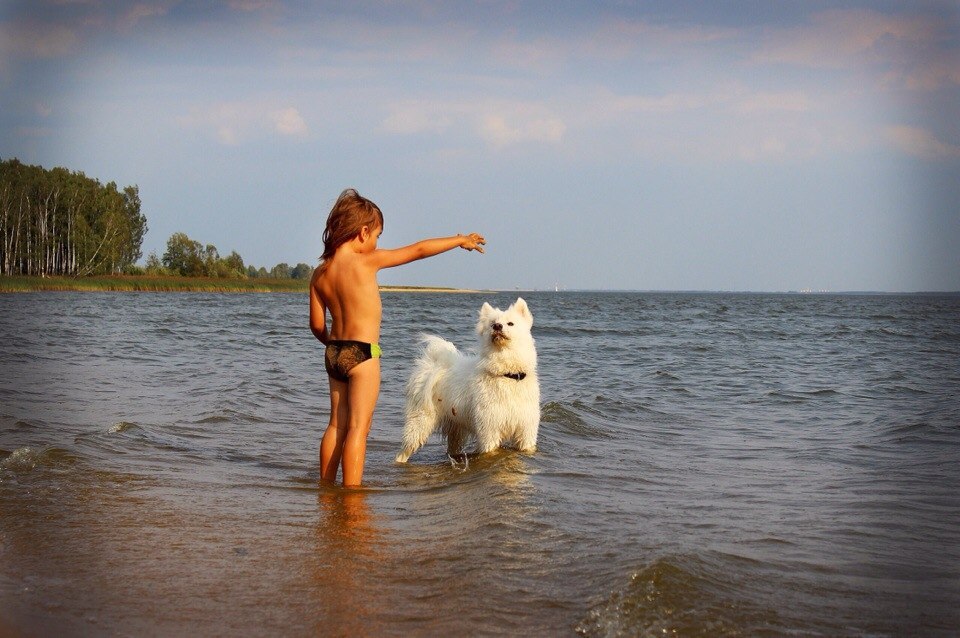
708,464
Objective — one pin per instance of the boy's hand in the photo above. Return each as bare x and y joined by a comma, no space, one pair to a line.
473,241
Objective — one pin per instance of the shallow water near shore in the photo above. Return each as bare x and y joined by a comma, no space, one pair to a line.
708,464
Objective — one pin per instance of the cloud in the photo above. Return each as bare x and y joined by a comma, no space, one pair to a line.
498,123
55,30
538,56
831,38
909,46
37,40
669,103
140,11
233,123
497,131
789,101
288,121
417,117
619,39
939,69
248,6
732,99
921,143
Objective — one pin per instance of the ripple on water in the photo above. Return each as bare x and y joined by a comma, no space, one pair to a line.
26,459
570,421
678,595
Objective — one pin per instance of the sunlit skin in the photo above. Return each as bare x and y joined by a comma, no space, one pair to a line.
348,289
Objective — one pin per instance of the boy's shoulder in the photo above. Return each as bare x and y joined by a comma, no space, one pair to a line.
317,272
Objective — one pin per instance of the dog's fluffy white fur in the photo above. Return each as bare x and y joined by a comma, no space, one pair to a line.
492,396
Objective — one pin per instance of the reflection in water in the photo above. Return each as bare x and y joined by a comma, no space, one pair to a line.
471,536
349,552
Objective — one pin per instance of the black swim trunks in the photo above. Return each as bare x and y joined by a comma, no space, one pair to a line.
342,356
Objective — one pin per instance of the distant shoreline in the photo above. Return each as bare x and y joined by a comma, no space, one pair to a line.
150,283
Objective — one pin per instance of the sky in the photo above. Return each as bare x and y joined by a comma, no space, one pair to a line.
597,145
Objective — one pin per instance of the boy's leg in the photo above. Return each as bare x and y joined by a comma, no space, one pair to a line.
362,392
331,446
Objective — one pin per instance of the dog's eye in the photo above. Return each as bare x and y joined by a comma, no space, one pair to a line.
509,323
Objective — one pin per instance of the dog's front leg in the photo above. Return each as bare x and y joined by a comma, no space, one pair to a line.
527,440
455,440
488,436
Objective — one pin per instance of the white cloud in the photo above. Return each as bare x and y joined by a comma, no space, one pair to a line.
921,143
289,122
841,38
417,117
498,123
140,11
789,101
233,123
497,131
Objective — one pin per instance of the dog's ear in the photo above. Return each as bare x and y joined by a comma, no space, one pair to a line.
521,306
485,311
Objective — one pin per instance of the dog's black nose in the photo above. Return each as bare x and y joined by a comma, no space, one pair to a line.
497,327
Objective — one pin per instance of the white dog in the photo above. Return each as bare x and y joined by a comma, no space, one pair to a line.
492,396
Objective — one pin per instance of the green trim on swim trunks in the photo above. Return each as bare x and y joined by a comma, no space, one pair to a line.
375,350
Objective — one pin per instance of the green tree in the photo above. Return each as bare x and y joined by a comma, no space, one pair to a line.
280,271
153,265
301,271
62,222
234,264
211,261
184,256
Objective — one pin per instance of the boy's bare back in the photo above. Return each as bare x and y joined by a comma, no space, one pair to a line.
348,288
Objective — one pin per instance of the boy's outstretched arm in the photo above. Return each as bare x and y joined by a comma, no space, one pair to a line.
426,248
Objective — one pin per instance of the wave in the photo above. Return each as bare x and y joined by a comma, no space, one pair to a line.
121,426
228,415
800,396
918,432
556,331
26,459
680,595
570,422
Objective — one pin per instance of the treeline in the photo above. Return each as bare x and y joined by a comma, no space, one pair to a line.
190,258
60,222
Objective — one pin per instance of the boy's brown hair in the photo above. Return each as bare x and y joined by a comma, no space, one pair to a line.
349,215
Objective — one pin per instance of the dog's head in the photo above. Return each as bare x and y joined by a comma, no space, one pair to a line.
500,328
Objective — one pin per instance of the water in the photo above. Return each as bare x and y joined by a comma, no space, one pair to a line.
707,465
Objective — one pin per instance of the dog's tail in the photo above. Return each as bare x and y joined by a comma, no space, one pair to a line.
421,414
439,351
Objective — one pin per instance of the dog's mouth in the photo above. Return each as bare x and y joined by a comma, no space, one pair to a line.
498,337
